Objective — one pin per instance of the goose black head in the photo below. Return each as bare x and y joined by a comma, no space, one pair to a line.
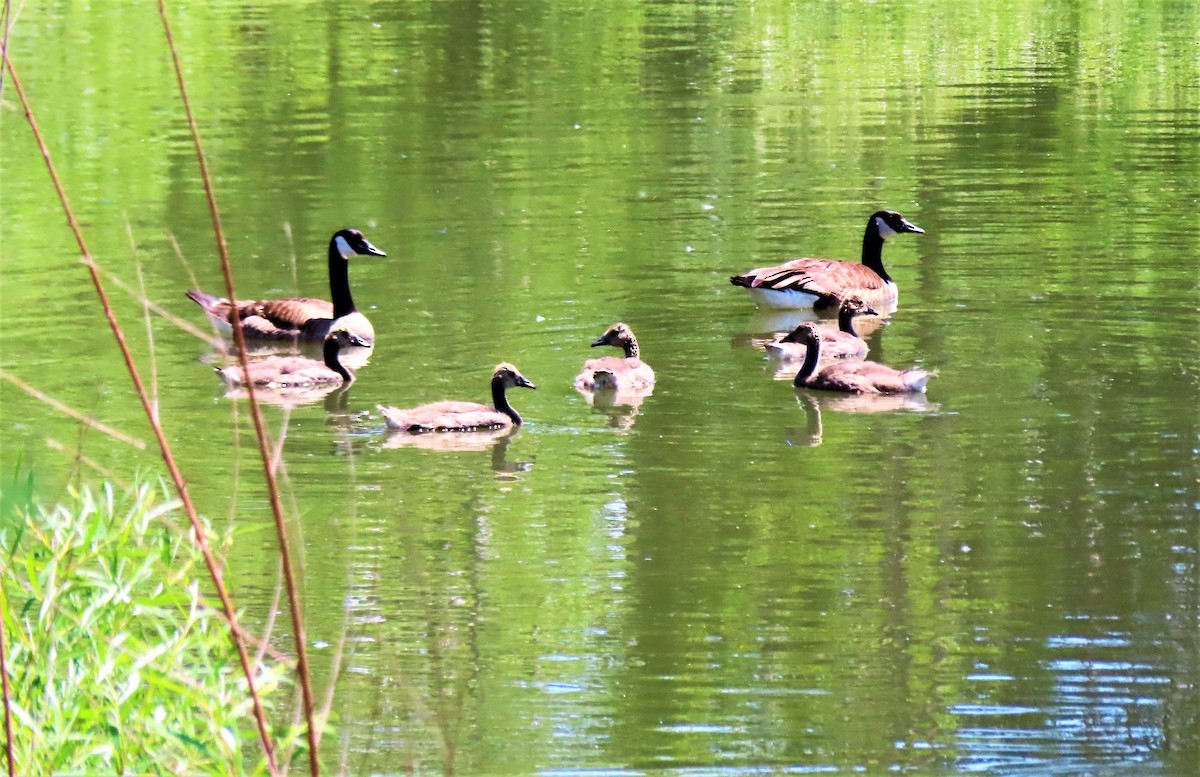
350,242
890,223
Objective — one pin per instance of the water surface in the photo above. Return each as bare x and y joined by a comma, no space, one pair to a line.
732,577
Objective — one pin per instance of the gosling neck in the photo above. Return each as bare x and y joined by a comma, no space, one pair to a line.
812,354
630,346
339,282
500,401
332,362
872,250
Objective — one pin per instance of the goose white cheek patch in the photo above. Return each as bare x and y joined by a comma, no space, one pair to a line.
344,248
885,231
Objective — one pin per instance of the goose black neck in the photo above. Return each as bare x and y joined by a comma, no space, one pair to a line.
846,321
500,401
812,353
872,250
332,361
631,347
339,282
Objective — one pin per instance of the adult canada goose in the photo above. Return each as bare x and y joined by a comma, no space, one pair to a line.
823,283
302,317
454,416
615,372
853,377
282,372
839,342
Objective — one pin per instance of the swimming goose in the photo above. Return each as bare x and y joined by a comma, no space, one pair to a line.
282,372
454,416
615,372
302,317
854,377
838,342
823,283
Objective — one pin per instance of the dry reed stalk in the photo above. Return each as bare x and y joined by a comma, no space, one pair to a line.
239,337
79,416
7,690
201,541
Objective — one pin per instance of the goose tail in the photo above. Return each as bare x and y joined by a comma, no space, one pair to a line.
203,299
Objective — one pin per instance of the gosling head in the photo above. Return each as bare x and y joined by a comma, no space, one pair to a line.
890,223
803,334
619,334
857,307
510,377
343,337
350,242
807,333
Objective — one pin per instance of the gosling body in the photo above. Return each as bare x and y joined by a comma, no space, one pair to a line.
282,372
854,377
621,373
457,416
840,342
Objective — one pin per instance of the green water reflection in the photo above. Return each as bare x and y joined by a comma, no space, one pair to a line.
732,577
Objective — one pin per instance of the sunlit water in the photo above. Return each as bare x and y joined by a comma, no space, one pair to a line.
731,577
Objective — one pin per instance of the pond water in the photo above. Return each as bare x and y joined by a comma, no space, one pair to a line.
733,577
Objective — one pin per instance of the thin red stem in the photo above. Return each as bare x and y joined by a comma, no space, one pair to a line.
264,446
173,470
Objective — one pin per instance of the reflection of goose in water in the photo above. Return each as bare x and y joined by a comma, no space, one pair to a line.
495,440
864,403
855,377
823,283
301,317
456,416
619,406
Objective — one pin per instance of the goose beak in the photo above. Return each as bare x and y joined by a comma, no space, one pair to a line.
601,340
356,340
524,382
870,311
908,226
370,250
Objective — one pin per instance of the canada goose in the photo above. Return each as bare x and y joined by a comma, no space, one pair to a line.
836,342
615,372
454,416
854,377
823,283
283,372
302,317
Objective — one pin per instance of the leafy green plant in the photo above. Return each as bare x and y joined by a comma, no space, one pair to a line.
117,664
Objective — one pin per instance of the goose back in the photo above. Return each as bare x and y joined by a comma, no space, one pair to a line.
302,318
817,283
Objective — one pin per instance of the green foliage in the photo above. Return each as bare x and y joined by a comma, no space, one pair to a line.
116,662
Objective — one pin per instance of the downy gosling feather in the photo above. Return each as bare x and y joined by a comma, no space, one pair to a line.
456,416
627,373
